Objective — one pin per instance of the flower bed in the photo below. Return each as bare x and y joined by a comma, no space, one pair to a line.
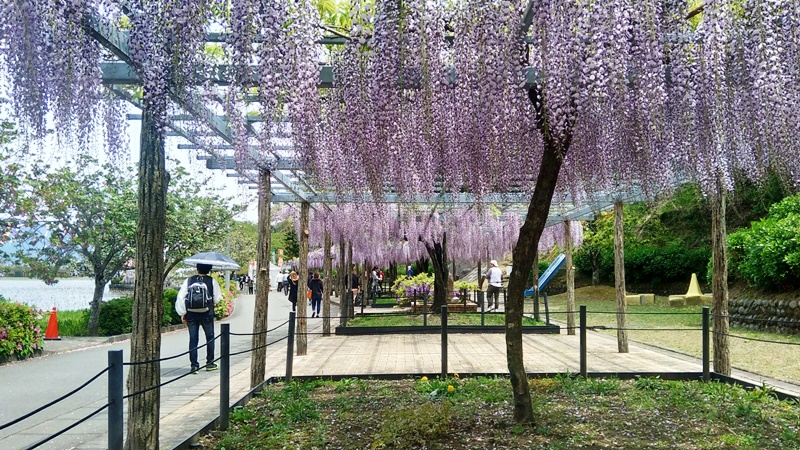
20,337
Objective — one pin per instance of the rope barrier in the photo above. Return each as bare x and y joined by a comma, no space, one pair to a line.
42,408
139,363
48,439
654,313
260,332
760,340
167,382
605,327
260,346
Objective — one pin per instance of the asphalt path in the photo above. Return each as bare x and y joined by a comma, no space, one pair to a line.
28,385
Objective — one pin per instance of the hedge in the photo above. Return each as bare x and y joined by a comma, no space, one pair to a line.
651,264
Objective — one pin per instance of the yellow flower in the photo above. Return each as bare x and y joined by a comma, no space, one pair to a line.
455,375
450,388
424,378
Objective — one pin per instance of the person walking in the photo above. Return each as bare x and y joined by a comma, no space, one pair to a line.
355,286
374,286
250,284
316,287
495,277
195,304
286,284
293,278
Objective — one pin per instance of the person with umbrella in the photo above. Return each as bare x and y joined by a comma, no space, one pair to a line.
195,317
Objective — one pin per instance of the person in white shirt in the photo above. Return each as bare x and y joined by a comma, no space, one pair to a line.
196,318
495,278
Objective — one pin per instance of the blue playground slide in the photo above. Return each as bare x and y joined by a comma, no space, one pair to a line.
548,274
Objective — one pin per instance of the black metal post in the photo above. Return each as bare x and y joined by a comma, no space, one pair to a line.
546,309
225,377
464,300
290,348
115,399
444,342
583,340
706,344
536,303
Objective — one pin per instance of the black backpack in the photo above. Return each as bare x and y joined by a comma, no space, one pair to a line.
198,299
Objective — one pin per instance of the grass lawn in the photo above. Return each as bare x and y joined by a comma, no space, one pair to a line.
397,320
774,360
476,413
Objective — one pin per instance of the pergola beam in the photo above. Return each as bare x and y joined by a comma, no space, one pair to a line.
120,72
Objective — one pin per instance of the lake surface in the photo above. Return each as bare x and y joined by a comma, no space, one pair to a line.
67,294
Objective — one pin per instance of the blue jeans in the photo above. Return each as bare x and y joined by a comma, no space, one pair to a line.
194,321
315,304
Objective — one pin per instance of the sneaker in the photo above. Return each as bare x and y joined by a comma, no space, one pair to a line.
211,366
195,369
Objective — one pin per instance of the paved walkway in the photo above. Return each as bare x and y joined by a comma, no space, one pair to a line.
190,405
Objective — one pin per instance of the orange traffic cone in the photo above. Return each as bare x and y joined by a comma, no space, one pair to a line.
51,334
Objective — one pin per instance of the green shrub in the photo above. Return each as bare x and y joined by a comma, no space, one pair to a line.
767,255
20,334
115,316
170,316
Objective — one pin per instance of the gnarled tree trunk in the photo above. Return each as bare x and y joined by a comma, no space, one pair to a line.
258,362
438,254
148,306
524,254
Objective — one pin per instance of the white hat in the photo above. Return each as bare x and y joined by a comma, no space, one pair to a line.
493,262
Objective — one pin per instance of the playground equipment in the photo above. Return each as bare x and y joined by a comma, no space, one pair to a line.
543,281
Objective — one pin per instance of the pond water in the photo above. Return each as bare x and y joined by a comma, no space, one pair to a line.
67,294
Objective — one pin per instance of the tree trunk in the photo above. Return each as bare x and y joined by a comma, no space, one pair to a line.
619,277
438,254
480,276
594,256
342,282
143,409
327,273
524,254
422,266
570,278
258,362
351,310
719,284
97,298
302,283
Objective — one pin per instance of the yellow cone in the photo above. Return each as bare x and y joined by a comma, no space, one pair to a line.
694,287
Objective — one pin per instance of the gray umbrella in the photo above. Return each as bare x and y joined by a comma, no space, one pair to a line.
217,260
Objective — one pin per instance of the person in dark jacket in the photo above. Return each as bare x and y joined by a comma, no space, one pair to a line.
355,286
293,278
316,287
